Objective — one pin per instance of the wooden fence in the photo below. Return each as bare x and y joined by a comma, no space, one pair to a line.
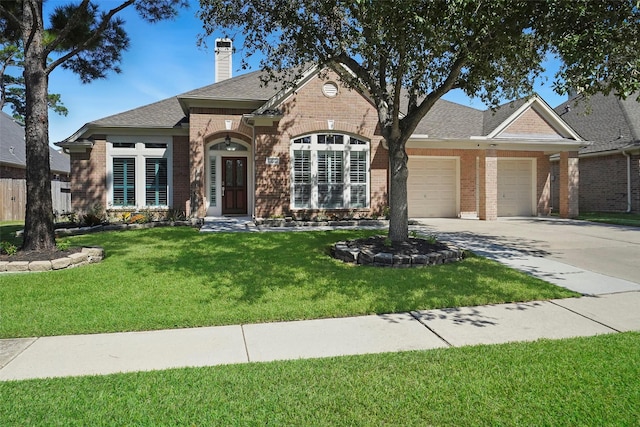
13,198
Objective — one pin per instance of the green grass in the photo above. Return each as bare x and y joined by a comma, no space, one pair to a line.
177,277
8,232
574,382
618,218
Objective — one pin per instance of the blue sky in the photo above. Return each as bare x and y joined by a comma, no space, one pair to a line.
163,61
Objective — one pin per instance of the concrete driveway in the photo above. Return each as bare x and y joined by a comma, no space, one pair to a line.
610,251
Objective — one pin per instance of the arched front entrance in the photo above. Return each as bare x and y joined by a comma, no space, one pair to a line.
229,183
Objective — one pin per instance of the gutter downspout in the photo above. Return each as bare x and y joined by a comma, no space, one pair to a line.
628,156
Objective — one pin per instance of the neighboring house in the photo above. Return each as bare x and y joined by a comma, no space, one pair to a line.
238,148
610,162
13,172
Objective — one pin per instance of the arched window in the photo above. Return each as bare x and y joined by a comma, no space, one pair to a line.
329,171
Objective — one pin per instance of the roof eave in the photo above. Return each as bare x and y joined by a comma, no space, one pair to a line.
633,148
77,146
483,143
188,102
262,119
90,129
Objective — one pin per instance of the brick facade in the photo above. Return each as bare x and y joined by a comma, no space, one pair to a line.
180,173
208,125
530,123
603,183
8,172
88,177
308,111
569,176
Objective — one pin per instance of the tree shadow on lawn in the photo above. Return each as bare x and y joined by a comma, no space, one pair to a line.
258,269
495,246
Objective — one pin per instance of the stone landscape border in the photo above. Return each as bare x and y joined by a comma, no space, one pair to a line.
73,231
343,252
289,222
87,255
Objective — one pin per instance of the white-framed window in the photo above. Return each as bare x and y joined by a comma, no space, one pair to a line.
329,171
139,172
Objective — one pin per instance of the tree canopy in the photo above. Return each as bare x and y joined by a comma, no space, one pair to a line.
84,36
415,51
12,88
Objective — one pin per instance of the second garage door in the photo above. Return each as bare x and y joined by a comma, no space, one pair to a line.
432,187
515,187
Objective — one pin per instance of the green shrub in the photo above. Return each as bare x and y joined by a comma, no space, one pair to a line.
63,245
8,248
175,215
432,239
95,216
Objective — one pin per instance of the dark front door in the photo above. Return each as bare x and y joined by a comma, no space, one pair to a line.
234,185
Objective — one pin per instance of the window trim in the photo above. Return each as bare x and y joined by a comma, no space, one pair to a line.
135,147
309,143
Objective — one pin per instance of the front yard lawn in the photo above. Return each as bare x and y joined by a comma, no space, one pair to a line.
618,218
177,277
575,382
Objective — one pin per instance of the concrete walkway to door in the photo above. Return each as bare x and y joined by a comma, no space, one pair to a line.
586,257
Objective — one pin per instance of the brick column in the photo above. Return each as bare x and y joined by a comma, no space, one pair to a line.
196,177
569,181
89,177
488,174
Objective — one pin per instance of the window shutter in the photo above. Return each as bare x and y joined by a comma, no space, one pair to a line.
358,179
156,182
302,179
330,179
124,179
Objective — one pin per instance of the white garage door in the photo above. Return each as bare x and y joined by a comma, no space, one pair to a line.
432,187
515,187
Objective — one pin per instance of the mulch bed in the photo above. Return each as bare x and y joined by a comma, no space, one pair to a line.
414,246
39,255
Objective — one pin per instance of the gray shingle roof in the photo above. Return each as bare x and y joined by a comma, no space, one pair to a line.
446,119
245,86
168,113
162,114
607,122
13,149
450,120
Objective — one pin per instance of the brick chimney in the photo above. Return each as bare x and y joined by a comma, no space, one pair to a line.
224,50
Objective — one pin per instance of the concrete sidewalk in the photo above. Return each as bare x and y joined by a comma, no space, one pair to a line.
561,252
144,351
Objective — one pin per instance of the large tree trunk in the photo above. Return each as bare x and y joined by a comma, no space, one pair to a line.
398,211
39,230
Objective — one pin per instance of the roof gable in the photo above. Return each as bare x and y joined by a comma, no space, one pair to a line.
531,119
